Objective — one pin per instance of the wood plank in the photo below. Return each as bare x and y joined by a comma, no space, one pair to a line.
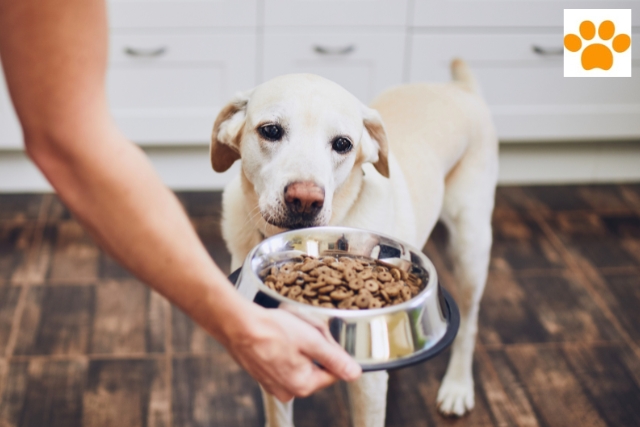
411,400
119,321
8,302
75,255
57,320
201,203
19,207
14,394
157,323
604,198
126,393
110,269
208,229
625,289
505,313
516,198
596,238
608,382
555,393
519,244
187,337
43,393
558,198
540,308
34,269
15,242
214,391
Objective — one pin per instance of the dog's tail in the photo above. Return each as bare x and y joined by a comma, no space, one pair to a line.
462,74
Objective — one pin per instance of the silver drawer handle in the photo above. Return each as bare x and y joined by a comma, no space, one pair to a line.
334,50
547,51
146,53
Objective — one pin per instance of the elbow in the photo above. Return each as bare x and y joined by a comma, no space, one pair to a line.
46,151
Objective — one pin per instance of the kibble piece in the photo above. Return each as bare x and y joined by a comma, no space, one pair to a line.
356,284
362,300
339,295
372,286
350,275
367,273
308,292
385,276
375,303
326,289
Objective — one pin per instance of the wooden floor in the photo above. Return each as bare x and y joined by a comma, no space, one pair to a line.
82,343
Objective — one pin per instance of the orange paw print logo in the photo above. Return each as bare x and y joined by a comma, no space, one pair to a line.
597,55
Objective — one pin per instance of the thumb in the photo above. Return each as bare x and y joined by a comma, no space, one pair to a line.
331,357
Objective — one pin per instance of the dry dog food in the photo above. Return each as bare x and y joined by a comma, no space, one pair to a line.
345,282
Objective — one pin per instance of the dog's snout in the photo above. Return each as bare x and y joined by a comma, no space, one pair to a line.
304,198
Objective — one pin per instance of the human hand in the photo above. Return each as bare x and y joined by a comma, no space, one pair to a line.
278,349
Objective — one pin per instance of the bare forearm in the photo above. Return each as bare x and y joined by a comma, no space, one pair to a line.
115,193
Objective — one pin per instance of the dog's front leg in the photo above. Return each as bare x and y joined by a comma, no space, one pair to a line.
470,249
368,397
276,413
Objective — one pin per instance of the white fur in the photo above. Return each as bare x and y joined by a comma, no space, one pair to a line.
442,165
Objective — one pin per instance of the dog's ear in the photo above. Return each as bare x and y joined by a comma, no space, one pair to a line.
227,132
374,141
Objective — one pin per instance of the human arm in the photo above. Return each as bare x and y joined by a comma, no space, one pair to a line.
54,55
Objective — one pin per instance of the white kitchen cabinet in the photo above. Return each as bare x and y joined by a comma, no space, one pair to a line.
182,13
504,13
335,12
10,132
167,88
528,95
364,63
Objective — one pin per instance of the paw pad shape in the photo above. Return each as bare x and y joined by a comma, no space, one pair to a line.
597,55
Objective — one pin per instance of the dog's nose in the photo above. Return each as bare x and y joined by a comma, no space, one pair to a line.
304,198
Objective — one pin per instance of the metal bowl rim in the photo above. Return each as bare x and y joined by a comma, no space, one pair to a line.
413,303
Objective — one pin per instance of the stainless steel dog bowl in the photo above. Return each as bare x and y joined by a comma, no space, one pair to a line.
381,338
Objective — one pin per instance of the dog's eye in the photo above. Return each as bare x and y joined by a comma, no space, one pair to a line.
271,132
341,145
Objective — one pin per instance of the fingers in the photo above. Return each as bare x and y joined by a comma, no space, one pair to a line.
332,357
304,386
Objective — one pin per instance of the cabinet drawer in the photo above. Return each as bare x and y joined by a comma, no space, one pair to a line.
504,13
337,12
527,92
365,64
170,90
182,13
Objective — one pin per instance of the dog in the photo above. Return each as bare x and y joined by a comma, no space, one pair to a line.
312,155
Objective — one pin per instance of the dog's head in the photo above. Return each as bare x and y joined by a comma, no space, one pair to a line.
300,137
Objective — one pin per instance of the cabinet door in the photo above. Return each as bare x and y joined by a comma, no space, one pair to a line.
182,13
337,12
528,95
504,13
10,131
167,89
363,63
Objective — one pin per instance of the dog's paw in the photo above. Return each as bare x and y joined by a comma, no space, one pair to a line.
455,398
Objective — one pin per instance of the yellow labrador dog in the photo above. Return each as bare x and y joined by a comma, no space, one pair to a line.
312,154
